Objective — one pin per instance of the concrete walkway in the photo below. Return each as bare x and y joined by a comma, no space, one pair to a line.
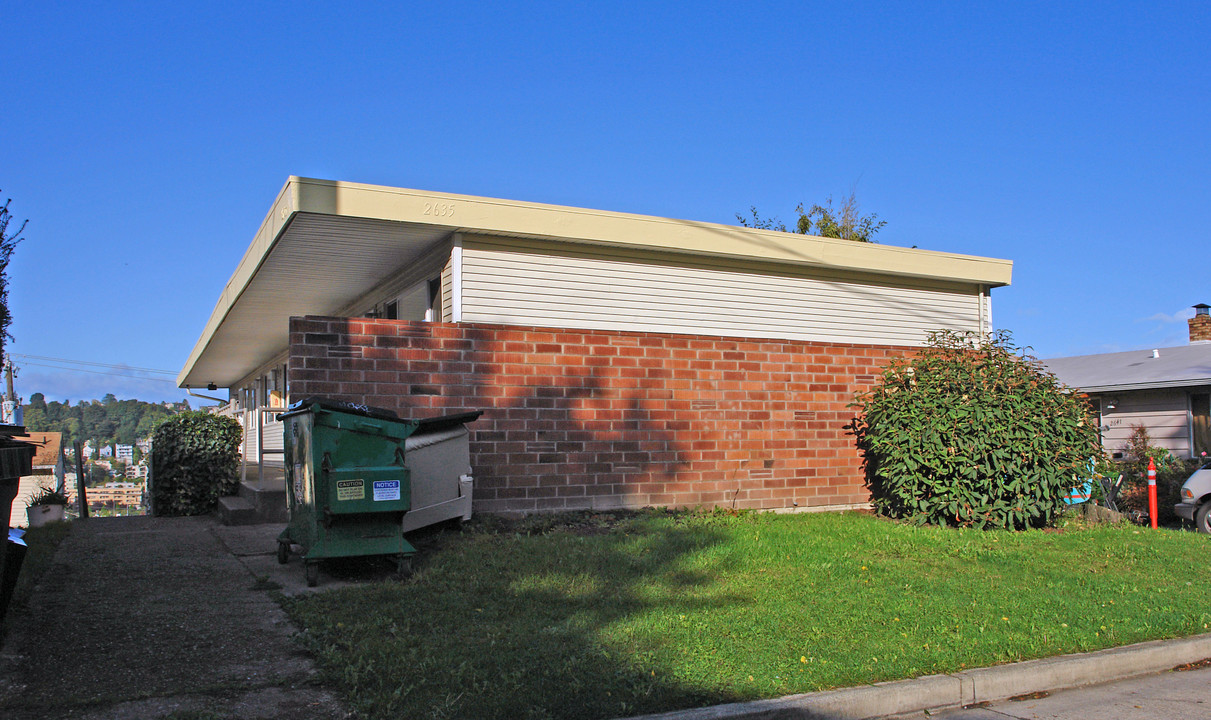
156,618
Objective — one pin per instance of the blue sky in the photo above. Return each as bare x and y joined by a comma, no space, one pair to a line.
145,143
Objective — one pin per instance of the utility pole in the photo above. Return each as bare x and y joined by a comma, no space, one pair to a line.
10,410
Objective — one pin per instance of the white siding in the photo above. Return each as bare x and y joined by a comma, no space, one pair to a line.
446,313
548,285
1163,412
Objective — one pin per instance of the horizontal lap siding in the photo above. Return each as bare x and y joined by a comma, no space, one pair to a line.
1163,412
586,419
543,285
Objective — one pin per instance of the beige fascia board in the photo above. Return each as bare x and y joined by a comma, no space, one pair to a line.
279,216
567,224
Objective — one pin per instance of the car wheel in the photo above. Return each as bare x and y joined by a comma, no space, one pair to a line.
1202,518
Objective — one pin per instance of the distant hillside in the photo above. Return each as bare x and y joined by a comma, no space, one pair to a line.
108,420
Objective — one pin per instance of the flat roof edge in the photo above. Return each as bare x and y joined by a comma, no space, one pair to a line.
466,213
280,213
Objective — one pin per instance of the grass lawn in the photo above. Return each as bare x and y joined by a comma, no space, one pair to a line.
601,616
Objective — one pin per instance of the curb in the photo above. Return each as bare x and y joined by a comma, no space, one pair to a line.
935,692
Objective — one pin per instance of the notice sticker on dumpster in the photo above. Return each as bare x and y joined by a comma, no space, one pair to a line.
351,489
386,490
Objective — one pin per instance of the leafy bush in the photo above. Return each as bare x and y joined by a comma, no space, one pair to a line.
194,462
971,431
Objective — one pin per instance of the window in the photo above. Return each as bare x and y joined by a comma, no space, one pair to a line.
434,313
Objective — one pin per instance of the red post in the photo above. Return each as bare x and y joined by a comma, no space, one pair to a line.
1152,492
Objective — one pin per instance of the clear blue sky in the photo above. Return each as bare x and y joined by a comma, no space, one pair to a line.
145,143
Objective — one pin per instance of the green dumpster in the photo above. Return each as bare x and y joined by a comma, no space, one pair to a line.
347,486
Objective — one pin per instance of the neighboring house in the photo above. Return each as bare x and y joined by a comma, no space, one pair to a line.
124,452
620,360
49,465
1167,390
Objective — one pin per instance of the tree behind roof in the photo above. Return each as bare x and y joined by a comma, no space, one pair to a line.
845,222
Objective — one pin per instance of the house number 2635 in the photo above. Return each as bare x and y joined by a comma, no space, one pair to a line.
437,209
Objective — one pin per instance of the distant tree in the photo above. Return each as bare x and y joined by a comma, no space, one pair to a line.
8,243
98,475
844,222
105,422
761,223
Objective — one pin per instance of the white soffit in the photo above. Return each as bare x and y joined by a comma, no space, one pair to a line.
324,244
321,264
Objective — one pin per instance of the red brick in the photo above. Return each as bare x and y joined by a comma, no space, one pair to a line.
614,419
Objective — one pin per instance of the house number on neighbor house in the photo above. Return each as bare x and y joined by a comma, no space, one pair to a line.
437,209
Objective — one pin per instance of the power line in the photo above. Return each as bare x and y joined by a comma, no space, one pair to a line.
93,364
101,372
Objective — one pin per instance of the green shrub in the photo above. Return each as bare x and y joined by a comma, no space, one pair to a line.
1171,473
194,462
971,431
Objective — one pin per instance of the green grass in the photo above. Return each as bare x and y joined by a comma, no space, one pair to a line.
664,611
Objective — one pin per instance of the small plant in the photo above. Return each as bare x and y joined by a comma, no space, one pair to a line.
971,431
47,496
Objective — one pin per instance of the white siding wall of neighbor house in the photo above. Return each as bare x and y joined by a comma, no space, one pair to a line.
1163,412
537,283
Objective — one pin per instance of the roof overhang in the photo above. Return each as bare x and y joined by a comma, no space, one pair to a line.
1187,383
324,244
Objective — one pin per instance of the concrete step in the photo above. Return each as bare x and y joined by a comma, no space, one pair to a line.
268,497
235,510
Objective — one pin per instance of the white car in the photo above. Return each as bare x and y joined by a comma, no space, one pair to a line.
1196,499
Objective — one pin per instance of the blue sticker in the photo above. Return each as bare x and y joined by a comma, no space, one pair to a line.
386,490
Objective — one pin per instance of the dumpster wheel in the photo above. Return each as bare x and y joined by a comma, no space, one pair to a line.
403,567
283,552
313,574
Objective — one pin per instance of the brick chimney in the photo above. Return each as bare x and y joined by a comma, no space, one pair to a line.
1200,324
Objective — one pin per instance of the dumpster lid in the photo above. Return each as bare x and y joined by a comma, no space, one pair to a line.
344,406
435,424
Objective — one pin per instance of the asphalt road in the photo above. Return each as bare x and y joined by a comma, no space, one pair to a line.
1183,695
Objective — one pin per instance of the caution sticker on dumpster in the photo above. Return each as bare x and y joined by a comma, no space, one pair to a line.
351,489
386,490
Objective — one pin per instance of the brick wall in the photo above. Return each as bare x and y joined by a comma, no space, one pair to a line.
1200,328
595,419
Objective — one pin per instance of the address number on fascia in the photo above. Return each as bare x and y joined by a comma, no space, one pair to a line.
436,209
